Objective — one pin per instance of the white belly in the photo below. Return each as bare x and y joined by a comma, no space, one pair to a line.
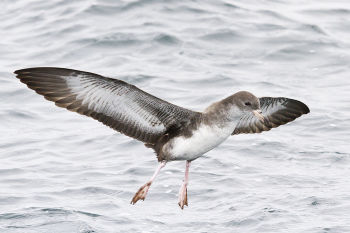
202,140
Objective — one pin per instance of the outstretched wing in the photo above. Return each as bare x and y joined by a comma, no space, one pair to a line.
113,102
276,111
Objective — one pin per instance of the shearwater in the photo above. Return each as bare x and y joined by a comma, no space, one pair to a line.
173,132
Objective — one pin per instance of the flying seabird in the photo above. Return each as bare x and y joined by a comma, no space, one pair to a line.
173,132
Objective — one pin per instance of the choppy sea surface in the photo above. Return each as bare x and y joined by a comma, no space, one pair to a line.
62,172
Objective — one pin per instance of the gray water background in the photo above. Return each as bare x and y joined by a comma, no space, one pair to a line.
62,172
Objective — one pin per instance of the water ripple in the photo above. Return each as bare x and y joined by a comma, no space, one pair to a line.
62,172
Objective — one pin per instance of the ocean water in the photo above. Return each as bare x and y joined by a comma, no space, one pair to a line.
62,172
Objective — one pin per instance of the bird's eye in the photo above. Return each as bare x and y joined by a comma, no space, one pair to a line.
247,103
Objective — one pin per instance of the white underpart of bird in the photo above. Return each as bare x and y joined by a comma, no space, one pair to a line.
204,139
173,132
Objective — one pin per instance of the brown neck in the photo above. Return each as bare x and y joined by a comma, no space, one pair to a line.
220,113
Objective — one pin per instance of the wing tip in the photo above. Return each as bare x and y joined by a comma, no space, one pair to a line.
19,73
29,70
304,109
36,69
59,71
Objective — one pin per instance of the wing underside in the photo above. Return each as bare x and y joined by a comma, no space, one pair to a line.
113,102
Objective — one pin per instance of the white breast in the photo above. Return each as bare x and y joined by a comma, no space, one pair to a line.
202,140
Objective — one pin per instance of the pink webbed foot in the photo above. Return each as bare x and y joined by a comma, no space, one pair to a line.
141,193
183,189
183,196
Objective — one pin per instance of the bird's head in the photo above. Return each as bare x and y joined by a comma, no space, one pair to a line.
236,106
246,102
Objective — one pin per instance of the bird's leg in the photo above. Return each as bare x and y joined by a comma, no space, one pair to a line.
142,192
183,189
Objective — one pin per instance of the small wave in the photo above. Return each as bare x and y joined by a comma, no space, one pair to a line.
113,40
167,39
224,36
